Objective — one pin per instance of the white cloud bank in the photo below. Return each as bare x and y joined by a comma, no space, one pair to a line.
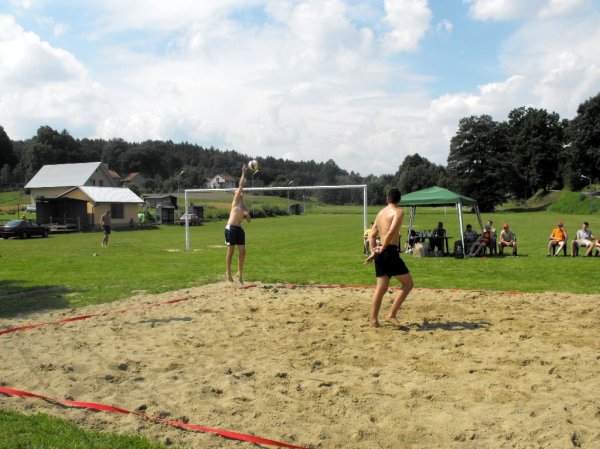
303,81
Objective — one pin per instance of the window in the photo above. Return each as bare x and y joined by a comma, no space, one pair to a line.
116,210
101,183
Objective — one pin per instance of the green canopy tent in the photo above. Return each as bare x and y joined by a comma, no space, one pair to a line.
438,196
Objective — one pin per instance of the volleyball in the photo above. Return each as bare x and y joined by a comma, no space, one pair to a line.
253,166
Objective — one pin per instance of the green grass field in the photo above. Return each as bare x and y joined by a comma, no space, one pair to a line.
63,272
73,270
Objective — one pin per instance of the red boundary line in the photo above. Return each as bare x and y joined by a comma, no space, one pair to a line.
111,409
182,425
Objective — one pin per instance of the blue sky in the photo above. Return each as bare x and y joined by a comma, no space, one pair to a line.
364,83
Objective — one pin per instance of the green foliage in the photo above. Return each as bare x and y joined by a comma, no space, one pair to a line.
536,138
417,173
583,143
44,432
474,162
6,150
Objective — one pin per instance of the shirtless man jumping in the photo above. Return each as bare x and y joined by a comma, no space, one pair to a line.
234,234
387,258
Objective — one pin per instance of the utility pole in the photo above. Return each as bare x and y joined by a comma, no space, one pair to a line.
590,180
288,195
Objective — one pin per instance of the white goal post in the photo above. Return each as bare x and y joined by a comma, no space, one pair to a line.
272,189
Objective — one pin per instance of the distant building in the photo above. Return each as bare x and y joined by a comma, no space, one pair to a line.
133,178
221,182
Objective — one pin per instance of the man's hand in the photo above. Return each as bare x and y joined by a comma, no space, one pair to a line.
374,253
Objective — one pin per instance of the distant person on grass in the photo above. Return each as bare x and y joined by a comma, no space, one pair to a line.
558,239
507,239
105,223
584,238
478,248
234,233
387,258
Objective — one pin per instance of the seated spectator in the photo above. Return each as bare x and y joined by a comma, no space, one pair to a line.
558,240
413,238
366,235
478,248
470,238
584,238
507,238
493,242
437,238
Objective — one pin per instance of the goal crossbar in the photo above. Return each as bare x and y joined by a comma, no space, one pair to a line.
271,189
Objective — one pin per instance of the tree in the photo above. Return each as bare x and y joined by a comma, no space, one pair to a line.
535,138
7,157
474,162
416,173
582,150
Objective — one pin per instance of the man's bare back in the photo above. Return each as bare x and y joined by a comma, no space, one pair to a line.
387,228
388,222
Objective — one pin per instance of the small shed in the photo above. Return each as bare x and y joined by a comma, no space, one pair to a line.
164,205
438,196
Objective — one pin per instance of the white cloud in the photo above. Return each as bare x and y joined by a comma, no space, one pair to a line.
517,9
445,27
308,79
409,20
26,61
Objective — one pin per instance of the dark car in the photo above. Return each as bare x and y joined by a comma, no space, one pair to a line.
193,220
23,229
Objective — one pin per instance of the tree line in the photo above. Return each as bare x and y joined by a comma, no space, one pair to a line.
490,161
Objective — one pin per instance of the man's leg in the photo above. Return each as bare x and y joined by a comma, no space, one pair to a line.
501,249
407,286
241,257
383,283
228,258
590,249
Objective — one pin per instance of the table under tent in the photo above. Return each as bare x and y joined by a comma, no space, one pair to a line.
438,196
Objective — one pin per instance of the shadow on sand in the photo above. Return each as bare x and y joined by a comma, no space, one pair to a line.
17,299
450,326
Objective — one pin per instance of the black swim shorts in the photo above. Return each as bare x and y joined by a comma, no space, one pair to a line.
388,263
234,235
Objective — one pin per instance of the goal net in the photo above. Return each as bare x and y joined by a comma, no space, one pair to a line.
272,189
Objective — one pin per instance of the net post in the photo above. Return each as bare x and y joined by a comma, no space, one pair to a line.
187,224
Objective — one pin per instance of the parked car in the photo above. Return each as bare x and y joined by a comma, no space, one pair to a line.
23,229
193,219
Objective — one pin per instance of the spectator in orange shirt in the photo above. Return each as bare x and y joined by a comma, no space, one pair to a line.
558,239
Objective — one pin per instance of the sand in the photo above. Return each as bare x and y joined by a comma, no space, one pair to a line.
302,366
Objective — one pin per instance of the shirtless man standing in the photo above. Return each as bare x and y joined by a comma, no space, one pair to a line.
387,258
234,234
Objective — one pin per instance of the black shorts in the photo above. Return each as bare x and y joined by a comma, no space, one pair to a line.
106,229
388,263
234,235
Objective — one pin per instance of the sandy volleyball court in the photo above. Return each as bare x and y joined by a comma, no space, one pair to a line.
473,370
